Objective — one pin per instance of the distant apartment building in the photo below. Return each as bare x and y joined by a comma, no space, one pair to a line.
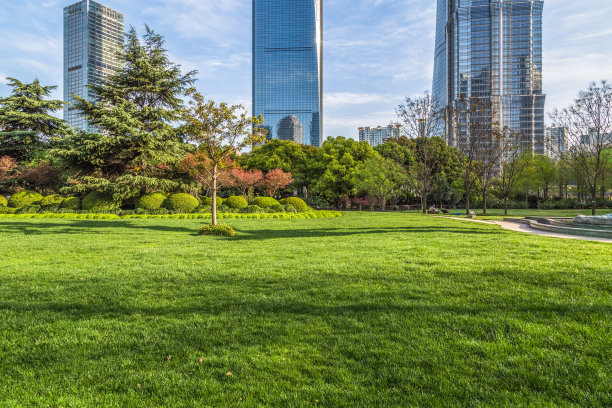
378,135
556,141
92,36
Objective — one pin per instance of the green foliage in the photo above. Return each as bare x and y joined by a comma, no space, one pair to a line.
28,209
152,201
264,202
52,200
182,202
207,202
3,201
71,203
222,230
382,178
276,209
7,210
26,120
253,209
23,198
97,201
237,202
296,202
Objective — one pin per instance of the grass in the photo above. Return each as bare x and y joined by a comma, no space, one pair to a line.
367,310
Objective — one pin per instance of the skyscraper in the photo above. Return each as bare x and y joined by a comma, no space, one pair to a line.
288,66
492,50
92,36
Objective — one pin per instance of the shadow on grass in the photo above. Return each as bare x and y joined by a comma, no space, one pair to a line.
83,226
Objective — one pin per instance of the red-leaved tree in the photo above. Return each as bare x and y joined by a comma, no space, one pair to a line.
245,181
276,180
7,166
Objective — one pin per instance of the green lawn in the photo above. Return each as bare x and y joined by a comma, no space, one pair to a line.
367,310
499,214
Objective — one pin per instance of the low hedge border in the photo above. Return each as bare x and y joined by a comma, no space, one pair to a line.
281,216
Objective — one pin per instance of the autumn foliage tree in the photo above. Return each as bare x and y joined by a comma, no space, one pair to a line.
245,181
7,166
276,180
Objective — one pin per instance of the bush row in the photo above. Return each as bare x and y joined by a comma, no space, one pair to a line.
286,216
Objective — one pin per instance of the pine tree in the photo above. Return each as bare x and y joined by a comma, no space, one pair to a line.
26,124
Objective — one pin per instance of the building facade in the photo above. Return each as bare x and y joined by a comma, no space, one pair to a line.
491,50
92,36
378,135
556,141
288,67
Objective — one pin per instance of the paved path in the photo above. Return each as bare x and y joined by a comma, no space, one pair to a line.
512,226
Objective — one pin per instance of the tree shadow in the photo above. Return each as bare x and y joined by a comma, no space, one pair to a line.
83,226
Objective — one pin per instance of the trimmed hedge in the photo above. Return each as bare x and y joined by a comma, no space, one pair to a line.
264,202
254,209
97,201
7,210
296,202
153,201
29,209
221,230
23,198
285,216
237,202
182,202
52,200
3,201
71,203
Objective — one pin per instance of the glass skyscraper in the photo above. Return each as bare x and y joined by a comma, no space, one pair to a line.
492,50
288,67
92,36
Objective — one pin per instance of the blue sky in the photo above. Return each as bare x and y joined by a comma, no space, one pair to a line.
376,51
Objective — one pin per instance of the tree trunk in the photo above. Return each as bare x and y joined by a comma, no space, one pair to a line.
424,202
214,195
594,199
383,203
484,202
506,205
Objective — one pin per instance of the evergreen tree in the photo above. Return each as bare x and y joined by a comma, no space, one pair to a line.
26,123
136,110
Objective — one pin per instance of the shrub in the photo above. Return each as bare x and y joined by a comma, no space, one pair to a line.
182,202
207,202
7,210
3,201
253,209
23,198
71,203
276,209
296,202
52,201
222,230
28,209
290,209
264,202
203,209
237,202
225,209
153,201
98,201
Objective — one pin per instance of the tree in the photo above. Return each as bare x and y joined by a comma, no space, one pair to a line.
276,180
26,123
589,128
245,181
219,130
197,168
136,111
7,167
43,176
545,173
422,118
381,178
488,166
513,166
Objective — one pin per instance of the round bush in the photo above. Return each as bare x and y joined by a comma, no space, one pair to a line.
290,209
253,209
264,202
207,202
23,198
52,200
236,202
153,201
28,209
296,202
3,201
223,230
7,210
276,209
182,202
71,203
97,201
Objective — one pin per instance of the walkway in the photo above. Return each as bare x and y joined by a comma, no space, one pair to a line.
526,229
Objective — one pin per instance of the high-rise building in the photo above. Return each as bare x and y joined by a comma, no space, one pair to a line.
288,65
492,50
290,128
556,141
378,135
92,36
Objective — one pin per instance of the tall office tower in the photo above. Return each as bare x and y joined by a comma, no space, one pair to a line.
288,67
492,50
92,36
